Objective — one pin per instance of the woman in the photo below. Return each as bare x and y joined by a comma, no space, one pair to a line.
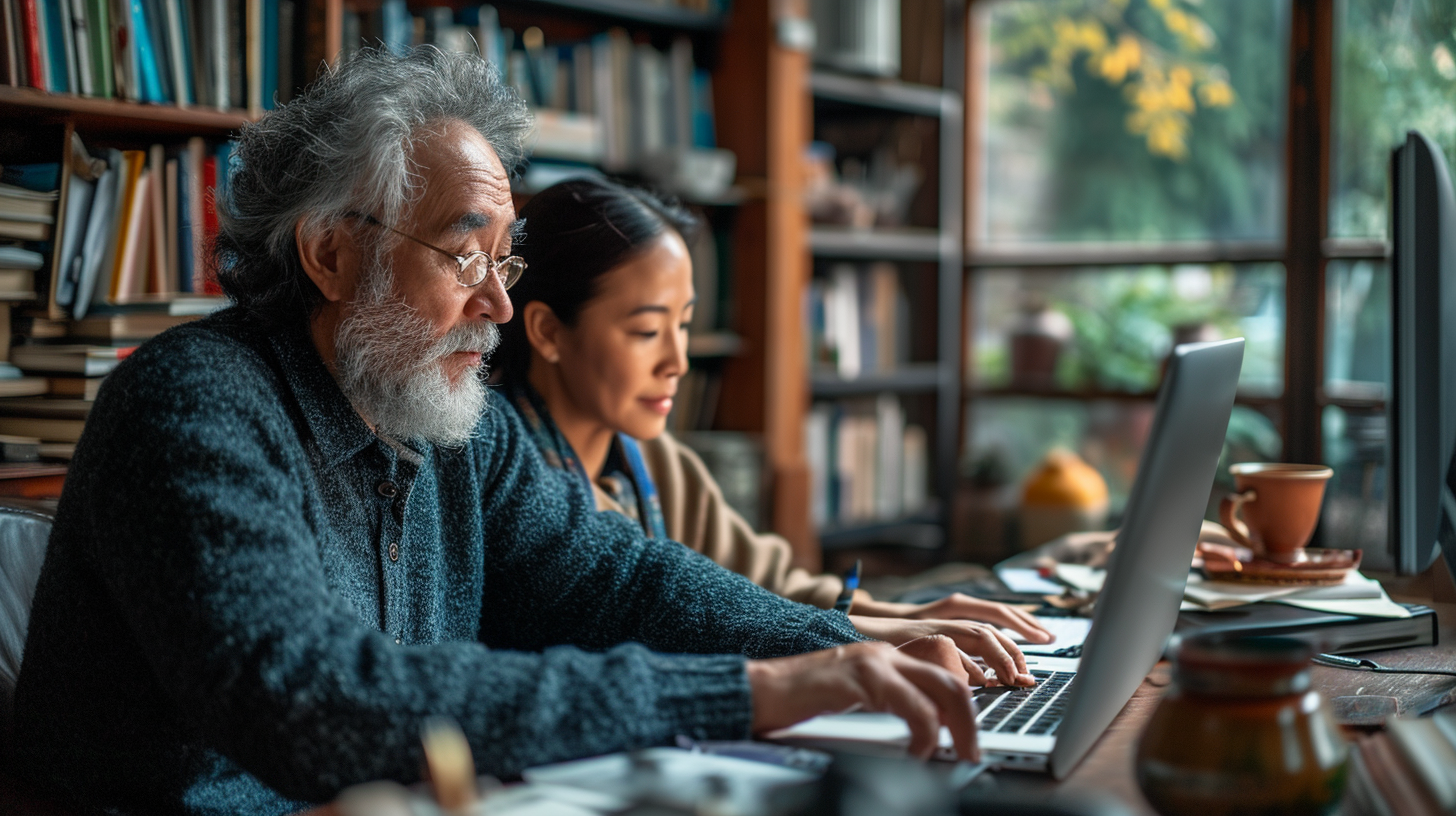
592,360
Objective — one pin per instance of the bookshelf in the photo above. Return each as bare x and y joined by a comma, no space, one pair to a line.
928,258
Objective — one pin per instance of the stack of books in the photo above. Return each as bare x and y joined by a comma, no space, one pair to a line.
1409,769
606,100
222,54
867,463
72,374
859,321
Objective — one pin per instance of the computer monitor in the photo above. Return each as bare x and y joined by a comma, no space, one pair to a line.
1422,405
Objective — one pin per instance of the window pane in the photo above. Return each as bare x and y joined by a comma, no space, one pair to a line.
1353,516
1357,328
1395,70
1109,120
1110,329
1009,436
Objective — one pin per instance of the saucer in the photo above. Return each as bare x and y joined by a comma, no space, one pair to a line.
1320,567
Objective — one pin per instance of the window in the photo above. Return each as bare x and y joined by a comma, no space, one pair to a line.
1142,171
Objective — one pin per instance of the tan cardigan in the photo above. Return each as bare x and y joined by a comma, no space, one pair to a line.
696,514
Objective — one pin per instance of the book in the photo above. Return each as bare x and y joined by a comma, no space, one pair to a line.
89,361
15,257
20,204
155,276
98,45
78,212
9,44
129,326
47,429
169,282
160,49
63,45
45,407
71,387
24,230
98,251
24,386
17,284
19,449
136,245
150,86
30,29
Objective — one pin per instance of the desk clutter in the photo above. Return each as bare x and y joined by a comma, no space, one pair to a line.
702,779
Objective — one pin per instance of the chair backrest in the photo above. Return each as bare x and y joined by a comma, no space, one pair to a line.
23,536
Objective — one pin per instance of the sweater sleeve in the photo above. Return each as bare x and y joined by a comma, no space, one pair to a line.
697,515
605,582
220,583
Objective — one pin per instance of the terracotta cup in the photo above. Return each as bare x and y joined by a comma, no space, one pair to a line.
1279,505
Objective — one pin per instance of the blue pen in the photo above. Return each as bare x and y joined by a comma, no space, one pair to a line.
851,583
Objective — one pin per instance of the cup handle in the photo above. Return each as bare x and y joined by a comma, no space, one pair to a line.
1228,513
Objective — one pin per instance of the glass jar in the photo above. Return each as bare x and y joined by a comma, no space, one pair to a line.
1240,731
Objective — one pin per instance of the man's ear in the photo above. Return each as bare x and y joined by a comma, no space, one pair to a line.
543,330
328,260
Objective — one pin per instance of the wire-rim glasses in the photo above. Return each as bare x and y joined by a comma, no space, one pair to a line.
473,265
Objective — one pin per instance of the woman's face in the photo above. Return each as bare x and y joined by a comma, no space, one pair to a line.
621,363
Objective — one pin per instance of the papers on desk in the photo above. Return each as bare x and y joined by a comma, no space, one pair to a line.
1068,631
1357,595
671,776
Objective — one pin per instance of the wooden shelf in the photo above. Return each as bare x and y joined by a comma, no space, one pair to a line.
885,94
923,377
111,115
1089,394
908,244
632,12
921,531
1074,254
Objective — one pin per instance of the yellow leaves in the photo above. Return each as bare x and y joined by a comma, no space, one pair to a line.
1115,65
1216,94
1164,87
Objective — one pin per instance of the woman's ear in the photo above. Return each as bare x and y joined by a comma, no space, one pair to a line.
543,330
326,260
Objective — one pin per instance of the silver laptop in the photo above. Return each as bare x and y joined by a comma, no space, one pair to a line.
1052,726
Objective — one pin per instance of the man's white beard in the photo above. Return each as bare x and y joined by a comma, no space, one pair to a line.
390,366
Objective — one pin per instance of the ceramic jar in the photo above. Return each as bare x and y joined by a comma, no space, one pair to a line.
1240,731
1063,495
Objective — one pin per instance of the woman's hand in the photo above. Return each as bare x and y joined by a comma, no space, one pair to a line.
956,607
976,639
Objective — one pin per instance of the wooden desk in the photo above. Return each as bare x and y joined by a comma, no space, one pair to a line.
1107,771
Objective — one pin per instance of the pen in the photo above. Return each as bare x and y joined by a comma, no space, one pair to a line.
851,583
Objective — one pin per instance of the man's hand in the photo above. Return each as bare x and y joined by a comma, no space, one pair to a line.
875,677
977,639
957,607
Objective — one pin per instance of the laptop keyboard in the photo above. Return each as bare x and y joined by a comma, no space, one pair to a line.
1034,711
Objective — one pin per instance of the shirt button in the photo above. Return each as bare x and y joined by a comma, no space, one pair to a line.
394,552
387,489
397,641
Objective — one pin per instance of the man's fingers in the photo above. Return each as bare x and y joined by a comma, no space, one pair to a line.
1002,654
888,689
974,675
1025,624
953,702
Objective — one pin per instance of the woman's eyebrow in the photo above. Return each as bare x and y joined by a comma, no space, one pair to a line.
655,307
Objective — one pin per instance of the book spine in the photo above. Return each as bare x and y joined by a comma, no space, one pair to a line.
269,62
10,42
30,25
156,280
66,26
203,278
98,43
177,53
149,79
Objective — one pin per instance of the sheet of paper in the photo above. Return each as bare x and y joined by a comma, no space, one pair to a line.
676,775
1068,632
1028,581
1226,594
1373,607
1081,577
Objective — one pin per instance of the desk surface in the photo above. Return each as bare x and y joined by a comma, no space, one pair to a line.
1108,769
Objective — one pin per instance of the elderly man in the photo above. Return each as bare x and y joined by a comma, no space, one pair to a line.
294,531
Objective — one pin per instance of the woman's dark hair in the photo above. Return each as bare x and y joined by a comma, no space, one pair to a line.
576,232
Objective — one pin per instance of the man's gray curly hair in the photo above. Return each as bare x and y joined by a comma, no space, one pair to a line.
346,146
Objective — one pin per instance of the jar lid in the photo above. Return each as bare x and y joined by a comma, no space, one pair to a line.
1243,667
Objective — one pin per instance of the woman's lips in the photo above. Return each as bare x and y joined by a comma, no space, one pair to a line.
658,405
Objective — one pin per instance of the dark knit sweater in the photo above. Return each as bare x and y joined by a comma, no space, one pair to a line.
251,601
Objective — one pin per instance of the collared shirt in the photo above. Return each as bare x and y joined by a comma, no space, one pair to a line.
251,601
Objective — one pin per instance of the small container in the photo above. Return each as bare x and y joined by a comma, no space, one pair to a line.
1240,731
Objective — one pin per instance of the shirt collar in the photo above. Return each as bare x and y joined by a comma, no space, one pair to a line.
335,425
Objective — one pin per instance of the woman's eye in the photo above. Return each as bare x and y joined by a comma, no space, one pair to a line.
646,335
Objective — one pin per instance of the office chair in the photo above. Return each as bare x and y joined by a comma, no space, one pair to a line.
24,533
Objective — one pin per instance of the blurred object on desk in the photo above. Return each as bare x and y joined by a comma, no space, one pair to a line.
1266,742
1064,495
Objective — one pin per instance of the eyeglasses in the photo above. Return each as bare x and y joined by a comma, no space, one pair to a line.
473,265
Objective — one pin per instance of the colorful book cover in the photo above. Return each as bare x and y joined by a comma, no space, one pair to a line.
149,79
203,279
98,41
30,27
269,74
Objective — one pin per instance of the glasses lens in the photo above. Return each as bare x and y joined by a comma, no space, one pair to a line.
510,270
472,272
